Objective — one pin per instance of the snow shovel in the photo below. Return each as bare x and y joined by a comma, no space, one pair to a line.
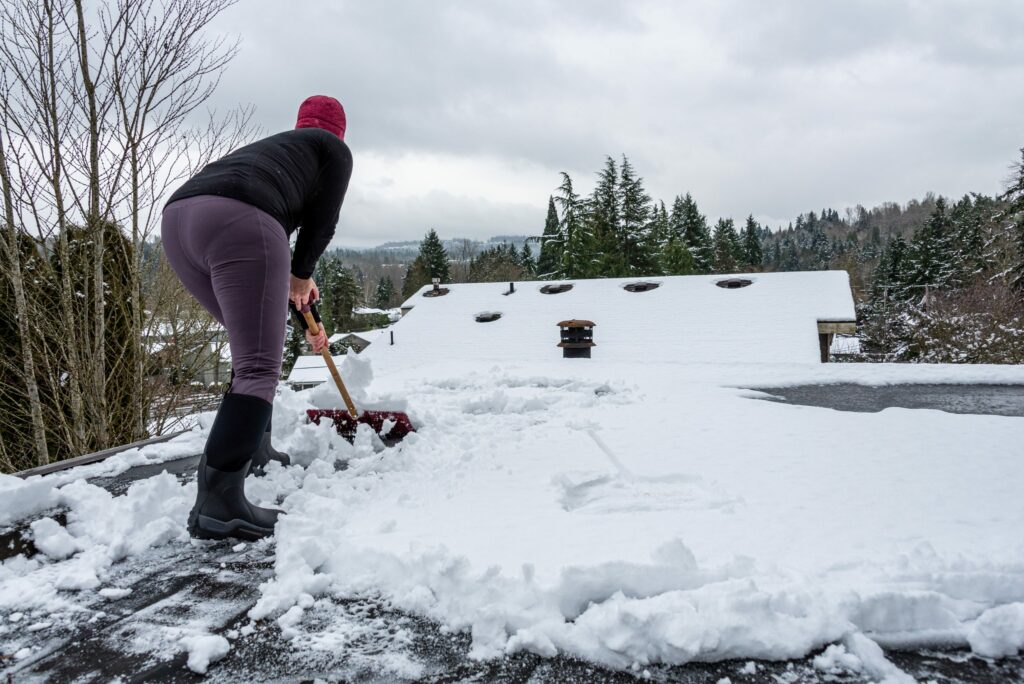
391,426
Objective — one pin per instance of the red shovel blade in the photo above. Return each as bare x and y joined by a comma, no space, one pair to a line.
392,426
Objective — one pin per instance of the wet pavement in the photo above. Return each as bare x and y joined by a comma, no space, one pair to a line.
995,400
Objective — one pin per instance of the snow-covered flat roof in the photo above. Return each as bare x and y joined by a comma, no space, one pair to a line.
686,318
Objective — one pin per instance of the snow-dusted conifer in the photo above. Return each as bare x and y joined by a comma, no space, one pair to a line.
551,245
752,252
728,250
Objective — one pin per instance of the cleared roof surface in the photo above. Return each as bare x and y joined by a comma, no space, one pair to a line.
685,318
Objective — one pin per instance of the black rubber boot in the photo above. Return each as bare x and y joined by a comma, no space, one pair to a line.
266,453
221,509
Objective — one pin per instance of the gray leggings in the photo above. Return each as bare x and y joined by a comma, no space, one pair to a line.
235,260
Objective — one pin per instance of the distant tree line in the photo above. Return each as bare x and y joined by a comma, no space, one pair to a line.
953,292
619,231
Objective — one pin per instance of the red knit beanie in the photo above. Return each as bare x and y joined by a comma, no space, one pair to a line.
321,111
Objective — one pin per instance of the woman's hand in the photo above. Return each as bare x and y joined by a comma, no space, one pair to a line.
302,291
318,342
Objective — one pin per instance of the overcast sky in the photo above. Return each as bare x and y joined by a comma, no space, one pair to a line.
461,114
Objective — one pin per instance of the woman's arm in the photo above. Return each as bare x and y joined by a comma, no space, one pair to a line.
323,208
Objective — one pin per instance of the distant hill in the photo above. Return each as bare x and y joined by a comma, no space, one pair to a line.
452,245
370,264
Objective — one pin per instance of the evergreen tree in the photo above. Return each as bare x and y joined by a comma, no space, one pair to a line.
1013,219
576,257
694,227
634,220
931,258
658,234
435,258
775,258
676,226
968,225
603,218
891,274
677,259
294,345
728,249
416,276
527,262
551,246
385,293
752,253
340,293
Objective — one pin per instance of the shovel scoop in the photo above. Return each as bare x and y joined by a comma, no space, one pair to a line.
390,426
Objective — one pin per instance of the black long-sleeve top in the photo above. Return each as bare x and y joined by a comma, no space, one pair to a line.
299,177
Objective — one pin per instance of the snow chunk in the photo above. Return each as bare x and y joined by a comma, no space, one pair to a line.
874,662
835,660
999,632
51,539
204,650
21,498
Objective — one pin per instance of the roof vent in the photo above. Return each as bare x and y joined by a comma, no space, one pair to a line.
437,290
733,283
488,316
556,289
640,287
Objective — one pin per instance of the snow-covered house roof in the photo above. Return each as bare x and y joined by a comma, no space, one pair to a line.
685,318
392,314
309,371
365,335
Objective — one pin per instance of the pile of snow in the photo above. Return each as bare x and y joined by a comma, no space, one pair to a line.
20,498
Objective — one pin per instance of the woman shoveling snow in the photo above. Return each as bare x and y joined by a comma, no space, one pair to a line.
225,233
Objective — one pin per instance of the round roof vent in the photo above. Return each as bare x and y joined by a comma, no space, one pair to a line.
556,289
488,316
439,292
640,287
733,283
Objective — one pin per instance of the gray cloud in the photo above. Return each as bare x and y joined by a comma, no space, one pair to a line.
764,108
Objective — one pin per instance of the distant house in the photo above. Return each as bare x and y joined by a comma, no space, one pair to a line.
356,341
392,314
198,350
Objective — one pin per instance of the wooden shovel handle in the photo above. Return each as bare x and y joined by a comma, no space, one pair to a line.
326,353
